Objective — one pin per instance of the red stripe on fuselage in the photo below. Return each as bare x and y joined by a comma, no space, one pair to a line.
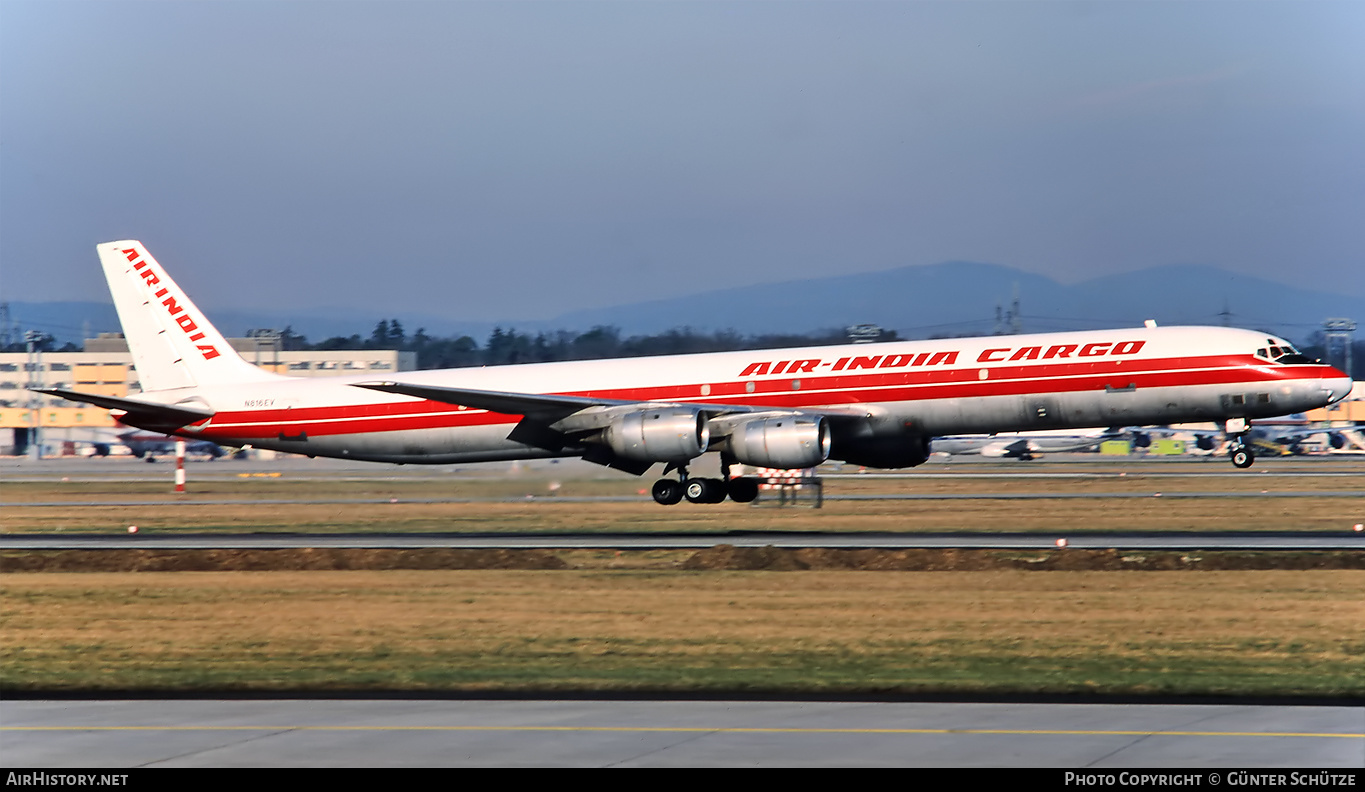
845,389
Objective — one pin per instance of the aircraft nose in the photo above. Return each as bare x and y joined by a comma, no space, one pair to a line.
1337,387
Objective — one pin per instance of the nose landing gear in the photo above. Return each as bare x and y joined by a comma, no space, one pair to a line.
1241,453
1239,450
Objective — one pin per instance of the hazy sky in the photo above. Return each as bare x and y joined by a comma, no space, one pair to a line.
519,160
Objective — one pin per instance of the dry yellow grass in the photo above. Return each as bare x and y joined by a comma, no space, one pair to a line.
1212,632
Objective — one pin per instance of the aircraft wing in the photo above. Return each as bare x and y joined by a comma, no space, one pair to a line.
544,407
550,408
136,411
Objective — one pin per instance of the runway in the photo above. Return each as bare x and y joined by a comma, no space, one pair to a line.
1343,540
1055,466
553,499
388,733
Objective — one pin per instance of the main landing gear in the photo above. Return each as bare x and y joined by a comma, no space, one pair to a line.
667,491
704,490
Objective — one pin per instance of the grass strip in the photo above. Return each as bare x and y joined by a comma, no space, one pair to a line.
1233,633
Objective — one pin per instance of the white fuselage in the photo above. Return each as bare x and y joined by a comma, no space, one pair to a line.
907,389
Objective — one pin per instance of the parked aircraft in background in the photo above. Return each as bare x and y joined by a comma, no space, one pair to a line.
135,442
1026,445
876,405
1272,437
150,445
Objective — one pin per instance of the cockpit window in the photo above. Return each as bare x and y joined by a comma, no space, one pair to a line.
1293,358
1283,354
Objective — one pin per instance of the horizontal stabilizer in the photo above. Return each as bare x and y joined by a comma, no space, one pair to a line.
138,412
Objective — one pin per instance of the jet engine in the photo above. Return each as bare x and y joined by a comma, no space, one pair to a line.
886,451
787,442
667,434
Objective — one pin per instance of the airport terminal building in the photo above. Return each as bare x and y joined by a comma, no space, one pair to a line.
106,367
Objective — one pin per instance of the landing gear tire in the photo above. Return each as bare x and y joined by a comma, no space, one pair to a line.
667,491
1242,457
704,490
742,490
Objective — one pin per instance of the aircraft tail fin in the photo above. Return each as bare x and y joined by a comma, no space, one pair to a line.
172,343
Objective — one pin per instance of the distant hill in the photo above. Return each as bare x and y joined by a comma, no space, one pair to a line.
951,298
961,297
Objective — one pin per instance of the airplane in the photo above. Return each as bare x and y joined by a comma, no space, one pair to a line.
1273,437
875,405
147,445
143,445
1024,445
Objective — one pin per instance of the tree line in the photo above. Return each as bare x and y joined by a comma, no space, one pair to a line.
504,347
43,342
